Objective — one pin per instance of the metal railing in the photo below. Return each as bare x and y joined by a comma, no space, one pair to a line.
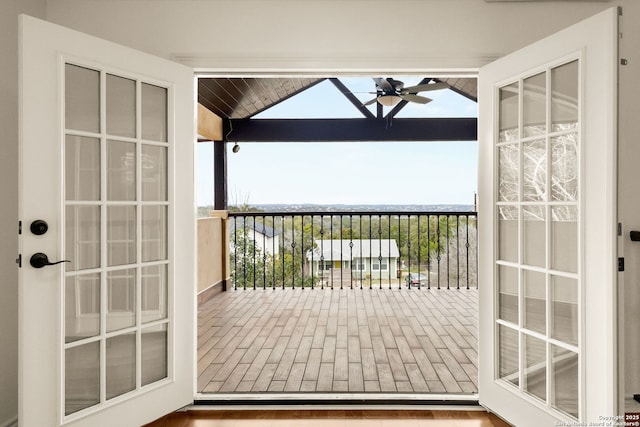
353,249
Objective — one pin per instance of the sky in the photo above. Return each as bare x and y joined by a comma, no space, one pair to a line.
348,173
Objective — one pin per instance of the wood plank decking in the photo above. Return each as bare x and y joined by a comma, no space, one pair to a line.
340,340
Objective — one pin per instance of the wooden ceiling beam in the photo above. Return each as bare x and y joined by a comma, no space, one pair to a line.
351,130
351,97
209,124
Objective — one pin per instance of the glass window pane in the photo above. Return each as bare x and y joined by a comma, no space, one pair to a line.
508,285
154,233
564,97
154,354
82,237
564,309
509,113
536,366
508,233
154,113
534,235
82,168
121,235
535,105
564,167
535,301
564,238
121,299
121,106
508,173
121,170
564,372
121,364
81,377
82,98
154,173
154,293
534,165
81,307
508,355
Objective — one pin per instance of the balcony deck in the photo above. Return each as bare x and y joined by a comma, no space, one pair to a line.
340,340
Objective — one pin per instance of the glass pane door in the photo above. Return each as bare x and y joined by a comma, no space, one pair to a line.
116,156
538,248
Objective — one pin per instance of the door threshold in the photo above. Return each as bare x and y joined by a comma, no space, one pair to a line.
327,401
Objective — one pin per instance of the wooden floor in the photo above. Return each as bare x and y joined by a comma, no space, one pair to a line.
391,418
349,340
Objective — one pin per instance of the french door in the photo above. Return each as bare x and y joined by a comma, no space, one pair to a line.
547,135
106,187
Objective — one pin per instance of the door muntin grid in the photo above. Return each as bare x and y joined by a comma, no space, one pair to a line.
117,318
537,317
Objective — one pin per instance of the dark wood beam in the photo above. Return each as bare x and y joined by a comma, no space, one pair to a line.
220,173
346,130
352,98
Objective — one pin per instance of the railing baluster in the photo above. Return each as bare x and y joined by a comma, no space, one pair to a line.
253,255
458,252
351,251
331,248
419,271
273,254
428,251
448,258
400,252
264,253
397,265
409,249
235,253
312,250
438,257
361,265
321,252
283,253
380,250
370,255
341,266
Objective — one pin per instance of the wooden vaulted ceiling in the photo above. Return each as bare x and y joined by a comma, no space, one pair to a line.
236,100
242,98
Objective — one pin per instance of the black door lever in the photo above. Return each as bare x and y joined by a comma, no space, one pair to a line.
39,260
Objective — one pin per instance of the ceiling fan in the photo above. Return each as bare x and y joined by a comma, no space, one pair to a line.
390,92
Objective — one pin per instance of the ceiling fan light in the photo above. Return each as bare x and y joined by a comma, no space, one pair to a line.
389,100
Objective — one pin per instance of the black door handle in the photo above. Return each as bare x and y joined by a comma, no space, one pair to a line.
39,260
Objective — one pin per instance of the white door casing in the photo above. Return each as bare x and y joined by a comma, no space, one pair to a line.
47,53
590,47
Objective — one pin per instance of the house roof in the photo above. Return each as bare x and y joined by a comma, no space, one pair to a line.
259,227
335,250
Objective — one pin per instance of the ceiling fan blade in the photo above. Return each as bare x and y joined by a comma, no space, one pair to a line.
415,98
370,102
425,87
384,85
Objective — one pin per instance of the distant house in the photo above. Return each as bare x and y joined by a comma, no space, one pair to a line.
360,258
265,237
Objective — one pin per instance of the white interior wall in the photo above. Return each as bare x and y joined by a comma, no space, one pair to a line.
327,34
312,35
9,10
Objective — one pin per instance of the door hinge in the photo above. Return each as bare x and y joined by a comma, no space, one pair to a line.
620,264
19,260
619,229
19,227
